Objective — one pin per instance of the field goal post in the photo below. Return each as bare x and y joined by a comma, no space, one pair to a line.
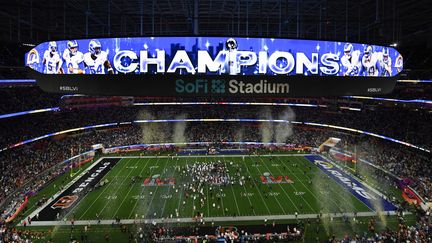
76,161
340,153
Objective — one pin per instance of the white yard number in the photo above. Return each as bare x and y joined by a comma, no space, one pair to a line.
136,197
246,194
166,196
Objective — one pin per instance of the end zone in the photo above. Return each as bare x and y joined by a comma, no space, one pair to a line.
365,194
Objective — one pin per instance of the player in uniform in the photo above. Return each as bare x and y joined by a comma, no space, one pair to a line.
385,63
73,58
96,60
369,63
232,65
350,61
52,61
399,63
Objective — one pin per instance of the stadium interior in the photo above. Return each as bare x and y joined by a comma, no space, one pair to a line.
97,168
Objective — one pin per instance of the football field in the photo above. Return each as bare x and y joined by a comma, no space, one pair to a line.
165,187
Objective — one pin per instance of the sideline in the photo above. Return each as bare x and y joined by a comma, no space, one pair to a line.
211,219
210,155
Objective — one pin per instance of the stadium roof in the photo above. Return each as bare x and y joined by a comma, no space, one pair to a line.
382,21
406,23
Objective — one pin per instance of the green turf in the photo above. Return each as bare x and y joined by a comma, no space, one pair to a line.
312,191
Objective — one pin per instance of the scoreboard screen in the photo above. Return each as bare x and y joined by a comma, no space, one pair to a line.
213,66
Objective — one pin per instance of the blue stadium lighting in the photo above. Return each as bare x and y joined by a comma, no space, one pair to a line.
390,100
221,120
349,108
229,103
414,81
8,81
28,112
71,95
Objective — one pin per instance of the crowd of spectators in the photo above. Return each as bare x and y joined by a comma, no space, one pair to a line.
25,98
420,232
25,162
401,163
12,234
393,123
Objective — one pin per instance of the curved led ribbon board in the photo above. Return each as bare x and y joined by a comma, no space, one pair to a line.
214,66
233,104
21,113
218,120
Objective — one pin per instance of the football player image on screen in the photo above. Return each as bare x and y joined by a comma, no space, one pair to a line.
232,65
385,63
96,60
350,61
399,63
73,58
52,61
369,62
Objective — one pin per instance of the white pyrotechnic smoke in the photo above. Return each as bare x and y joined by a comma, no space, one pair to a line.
151,132
284,130
266,128
179,130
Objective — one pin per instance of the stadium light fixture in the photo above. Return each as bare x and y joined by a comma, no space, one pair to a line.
28,44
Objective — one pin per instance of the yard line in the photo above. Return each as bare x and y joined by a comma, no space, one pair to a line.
235,200
259,192
196,160
118,188
337,192
207,197
179,202
333,191
289,198
220,195
279,185
125,197
115,177
136,203
154,194
181,189
307,188
250,202
294,188
169,188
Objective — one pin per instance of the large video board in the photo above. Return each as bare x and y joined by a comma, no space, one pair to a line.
244,66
